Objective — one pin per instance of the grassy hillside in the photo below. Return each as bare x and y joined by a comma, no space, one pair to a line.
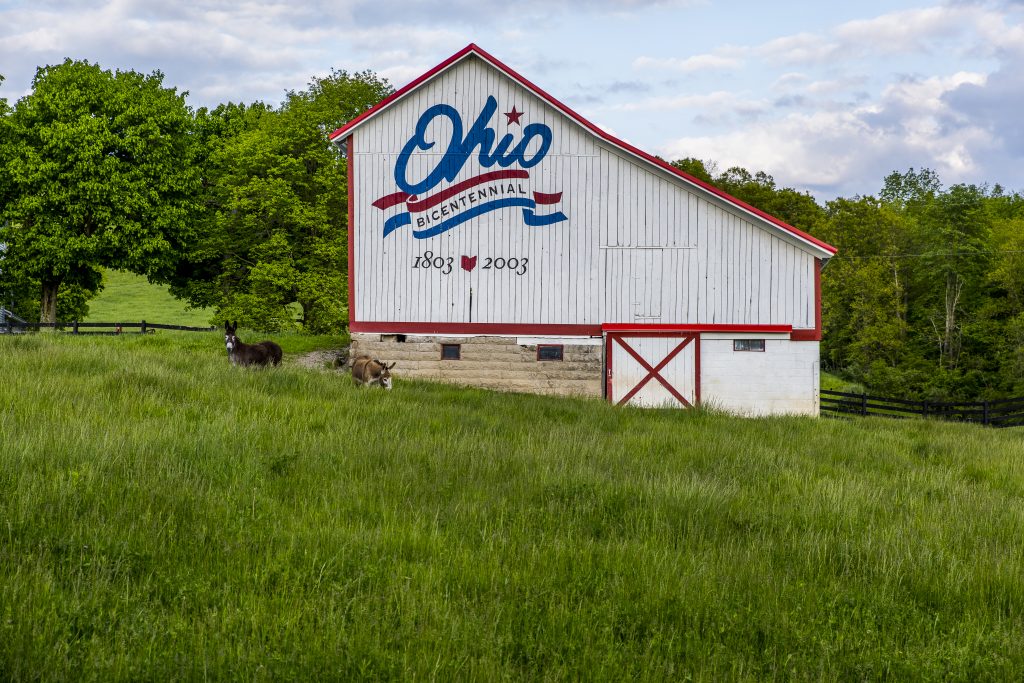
837,383
130,298
166,516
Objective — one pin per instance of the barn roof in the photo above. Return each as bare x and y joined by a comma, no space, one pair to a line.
815,245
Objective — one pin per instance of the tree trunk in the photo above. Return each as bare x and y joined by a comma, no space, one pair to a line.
950,340
48,303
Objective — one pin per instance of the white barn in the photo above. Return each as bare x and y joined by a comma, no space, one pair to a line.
497,238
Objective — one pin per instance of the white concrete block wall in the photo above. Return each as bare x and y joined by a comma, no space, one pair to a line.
783,379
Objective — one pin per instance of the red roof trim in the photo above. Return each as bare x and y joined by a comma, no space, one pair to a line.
398,94
474,49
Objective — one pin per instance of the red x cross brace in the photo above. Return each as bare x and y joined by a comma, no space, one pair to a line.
654,372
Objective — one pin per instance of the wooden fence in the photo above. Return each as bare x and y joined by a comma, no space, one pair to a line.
76,327
1004,413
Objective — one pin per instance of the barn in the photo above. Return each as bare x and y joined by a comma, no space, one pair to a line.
499,239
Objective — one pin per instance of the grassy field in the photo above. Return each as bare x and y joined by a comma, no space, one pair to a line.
166,516
130,298
837,383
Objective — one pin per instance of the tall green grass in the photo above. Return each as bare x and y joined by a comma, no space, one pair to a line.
166,516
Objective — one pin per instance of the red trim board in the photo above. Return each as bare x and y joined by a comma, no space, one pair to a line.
506,329
558,330
607,371
817,297
348,128
351,237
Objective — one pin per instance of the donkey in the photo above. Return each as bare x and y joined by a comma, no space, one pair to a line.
249,354
368,371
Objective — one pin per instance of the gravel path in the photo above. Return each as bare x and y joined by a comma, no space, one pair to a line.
320,360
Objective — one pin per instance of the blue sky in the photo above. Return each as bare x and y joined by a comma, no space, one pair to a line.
825,98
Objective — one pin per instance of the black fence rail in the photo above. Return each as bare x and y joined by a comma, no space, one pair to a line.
76,327
1004,413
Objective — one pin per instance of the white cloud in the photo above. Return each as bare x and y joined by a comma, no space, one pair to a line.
788,81
719,102
904,32
690,64
835,86
909,31
909,125
803,48
856,101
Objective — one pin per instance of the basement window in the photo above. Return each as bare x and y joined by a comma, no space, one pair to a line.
550,351
451,351
748,344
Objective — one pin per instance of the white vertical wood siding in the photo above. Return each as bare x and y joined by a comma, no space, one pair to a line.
639,245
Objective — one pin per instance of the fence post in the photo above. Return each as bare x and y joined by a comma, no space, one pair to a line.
924,408
864,404
143,327
74,327
984,413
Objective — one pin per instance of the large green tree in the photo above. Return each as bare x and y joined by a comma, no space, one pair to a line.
275,230
4,149
954,241
864,292
101,174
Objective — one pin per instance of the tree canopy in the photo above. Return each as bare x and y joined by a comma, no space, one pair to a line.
100,174
275,225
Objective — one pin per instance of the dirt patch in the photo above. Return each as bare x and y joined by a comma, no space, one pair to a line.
334,360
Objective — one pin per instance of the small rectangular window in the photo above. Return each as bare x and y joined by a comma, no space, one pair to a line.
550,351
748,344
451,351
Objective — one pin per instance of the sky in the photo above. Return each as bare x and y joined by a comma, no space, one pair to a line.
828,98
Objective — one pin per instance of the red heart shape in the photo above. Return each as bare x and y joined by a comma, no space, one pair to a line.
468,262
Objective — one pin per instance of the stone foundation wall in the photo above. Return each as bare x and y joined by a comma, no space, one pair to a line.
489,362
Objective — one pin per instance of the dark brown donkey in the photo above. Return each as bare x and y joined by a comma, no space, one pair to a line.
249,354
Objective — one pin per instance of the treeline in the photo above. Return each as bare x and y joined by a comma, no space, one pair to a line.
925,298
241,208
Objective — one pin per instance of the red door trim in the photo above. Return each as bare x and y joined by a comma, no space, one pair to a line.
654,372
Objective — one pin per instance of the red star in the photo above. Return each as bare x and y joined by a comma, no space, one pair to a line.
514,116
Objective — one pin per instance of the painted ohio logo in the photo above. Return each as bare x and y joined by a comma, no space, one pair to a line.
486,192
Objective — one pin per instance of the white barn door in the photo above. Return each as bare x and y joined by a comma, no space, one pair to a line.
653,370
